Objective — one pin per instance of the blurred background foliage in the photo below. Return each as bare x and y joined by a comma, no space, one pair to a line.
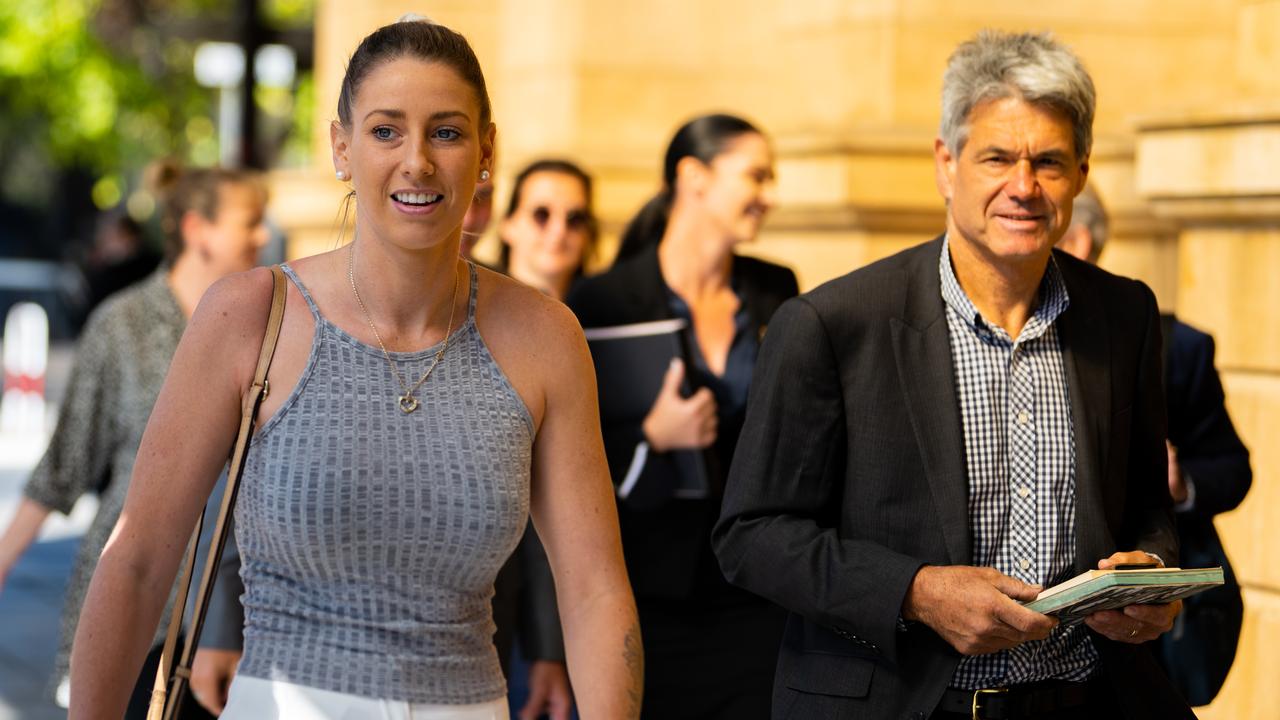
91,91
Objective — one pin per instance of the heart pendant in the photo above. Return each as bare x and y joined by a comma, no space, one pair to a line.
408,403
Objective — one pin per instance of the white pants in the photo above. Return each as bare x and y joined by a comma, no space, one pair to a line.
253,698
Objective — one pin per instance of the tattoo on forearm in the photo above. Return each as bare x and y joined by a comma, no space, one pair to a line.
633,656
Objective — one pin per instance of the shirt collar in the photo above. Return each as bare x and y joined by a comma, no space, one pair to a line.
1051,300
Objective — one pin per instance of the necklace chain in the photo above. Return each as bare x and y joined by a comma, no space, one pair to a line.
407,402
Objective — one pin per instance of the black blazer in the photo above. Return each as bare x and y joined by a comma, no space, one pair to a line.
850,474
1199,652
667,543
1209,449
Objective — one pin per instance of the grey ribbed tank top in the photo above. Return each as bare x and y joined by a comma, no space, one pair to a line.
370,538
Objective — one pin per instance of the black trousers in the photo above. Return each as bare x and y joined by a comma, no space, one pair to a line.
1101,705
709,661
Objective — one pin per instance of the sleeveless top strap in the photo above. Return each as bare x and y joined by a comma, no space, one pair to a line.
471,301
315,309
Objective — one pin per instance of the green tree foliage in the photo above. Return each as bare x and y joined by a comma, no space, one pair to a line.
70,99
106,86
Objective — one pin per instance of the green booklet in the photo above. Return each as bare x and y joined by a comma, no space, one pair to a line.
1095,590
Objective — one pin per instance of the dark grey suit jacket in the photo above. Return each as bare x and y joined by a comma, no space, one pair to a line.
850,475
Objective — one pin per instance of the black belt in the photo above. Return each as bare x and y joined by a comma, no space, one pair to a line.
1017,701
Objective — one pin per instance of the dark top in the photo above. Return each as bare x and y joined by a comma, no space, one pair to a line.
1199,651
729,389
1210,451
666,540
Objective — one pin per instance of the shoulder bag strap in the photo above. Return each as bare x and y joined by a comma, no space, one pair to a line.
165,699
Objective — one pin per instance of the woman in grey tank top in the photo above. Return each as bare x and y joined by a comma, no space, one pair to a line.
421,409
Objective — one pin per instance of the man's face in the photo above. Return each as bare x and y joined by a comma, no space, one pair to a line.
1009,190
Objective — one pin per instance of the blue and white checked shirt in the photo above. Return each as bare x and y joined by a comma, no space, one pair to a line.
1020,458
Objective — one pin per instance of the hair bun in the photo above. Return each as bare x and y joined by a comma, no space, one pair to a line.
415,17
162,176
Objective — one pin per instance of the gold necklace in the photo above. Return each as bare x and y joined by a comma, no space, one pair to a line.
407,402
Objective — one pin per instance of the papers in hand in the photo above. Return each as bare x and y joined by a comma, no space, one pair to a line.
636,330
1095,590
631,362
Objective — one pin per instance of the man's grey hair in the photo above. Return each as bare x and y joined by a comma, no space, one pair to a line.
1031,66
1089,212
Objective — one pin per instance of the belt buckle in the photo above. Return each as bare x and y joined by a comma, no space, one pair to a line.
977,695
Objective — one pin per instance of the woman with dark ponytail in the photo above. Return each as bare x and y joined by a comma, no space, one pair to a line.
710,647
702,138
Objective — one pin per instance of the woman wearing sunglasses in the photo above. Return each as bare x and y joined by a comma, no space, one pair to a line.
549,230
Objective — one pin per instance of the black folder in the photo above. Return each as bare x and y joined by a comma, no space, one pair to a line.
631,361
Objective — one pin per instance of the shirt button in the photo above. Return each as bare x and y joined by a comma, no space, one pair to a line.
1023,417
1024,563
1024,491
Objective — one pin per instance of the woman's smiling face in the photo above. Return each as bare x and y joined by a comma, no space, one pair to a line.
414,150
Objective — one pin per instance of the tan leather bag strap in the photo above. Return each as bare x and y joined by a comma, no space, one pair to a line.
166,697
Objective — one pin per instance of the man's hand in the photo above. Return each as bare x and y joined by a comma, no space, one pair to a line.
1177,483
211,674
549,692
975,609
1133,624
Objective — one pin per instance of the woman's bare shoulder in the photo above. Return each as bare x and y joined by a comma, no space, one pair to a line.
229,321
522,313
534,338
235,299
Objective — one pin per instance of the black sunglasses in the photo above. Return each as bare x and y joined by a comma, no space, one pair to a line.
574,220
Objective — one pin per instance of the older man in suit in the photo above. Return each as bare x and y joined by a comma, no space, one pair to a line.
933,438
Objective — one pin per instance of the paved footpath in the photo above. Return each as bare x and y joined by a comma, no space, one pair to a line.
31,601
29,611
31,605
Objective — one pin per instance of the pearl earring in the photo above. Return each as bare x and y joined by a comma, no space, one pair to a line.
341,175
484,176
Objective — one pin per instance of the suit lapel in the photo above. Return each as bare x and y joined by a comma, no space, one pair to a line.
1087,354
759,299
645,288
922,352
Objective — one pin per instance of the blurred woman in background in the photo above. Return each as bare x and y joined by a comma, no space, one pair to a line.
549,230
710,647
213,226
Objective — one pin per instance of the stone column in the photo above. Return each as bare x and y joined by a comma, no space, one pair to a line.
1215,175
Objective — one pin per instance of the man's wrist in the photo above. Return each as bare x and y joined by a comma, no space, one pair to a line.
1187,503
912,601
